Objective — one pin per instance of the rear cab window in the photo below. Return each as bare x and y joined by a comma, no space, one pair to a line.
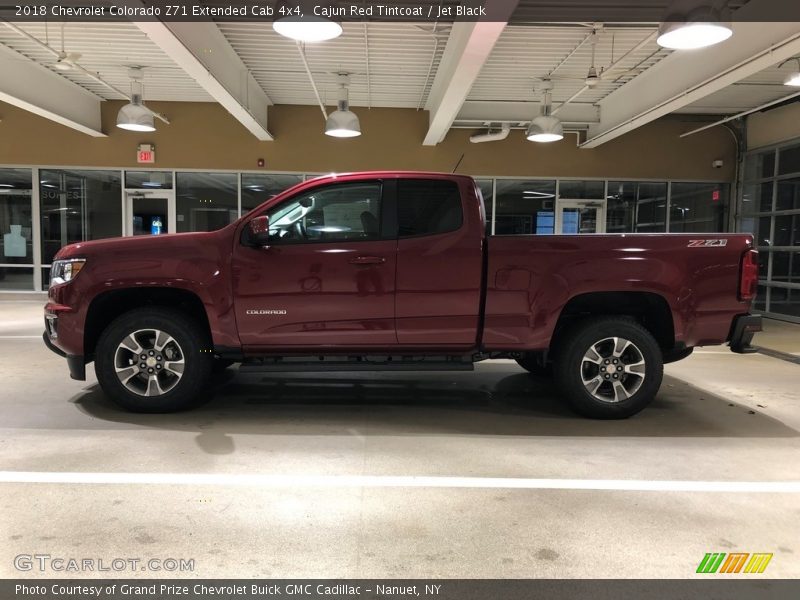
428,207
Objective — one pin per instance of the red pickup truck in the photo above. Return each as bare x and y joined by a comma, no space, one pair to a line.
394,271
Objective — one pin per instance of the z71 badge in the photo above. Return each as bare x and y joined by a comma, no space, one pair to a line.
707,243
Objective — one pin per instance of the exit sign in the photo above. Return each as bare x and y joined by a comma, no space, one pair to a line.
146,154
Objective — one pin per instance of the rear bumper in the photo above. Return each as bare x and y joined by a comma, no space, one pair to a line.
742,331
76,363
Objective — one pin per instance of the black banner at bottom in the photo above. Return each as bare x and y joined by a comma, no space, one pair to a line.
399,589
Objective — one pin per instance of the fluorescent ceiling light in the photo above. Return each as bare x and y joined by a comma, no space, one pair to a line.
307,29
545,128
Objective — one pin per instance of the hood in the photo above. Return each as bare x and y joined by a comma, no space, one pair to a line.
143,243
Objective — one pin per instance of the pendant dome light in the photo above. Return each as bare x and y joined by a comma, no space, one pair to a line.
699,28
343,123
135,116
545,128
305,26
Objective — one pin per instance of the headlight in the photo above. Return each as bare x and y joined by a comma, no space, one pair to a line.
64,271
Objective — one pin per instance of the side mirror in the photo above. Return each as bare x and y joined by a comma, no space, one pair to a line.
258,232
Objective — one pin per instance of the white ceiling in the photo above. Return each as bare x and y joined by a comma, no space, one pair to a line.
108,49
392,64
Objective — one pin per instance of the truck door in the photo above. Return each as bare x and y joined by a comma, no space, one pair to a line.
327,276
439,264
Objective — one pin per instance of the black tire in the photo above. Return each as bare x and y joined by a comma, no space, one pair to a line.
622,396
193,348
531,362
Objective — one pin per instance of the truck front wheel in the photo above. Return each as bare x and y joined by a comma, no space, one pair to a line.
153,360
609,368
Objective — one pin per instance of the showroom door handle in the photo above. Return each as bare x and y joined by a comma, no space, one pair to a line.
367,260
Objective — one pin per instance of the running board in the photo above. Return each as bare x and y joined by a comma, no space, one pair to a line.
287,364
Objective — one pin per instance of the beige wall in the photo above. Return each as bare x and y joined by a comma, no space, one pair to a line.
773,126
205,136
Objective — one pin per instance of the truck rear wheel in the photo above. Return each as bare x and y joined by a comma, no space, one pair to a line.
153,360
609,368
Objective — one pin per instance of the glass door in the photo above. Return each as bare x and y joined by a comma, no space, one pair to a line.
580,216
149,213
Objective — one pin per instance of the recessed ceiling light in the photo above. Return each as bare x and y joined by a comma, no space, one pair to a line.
698,28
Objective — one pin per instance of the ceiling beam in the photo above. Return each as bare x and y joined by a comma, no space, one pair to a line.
201,50
493,111
35,88
467,50
683,78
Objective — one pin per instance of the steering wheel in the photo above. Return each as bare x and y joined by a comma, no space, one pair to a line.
300,229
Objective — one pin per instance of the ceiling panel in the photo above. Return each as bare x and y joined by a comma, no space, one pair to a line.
107,49
526,54
401,59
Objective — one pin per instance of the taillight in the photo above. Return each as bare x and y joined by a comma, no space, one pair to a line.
748,279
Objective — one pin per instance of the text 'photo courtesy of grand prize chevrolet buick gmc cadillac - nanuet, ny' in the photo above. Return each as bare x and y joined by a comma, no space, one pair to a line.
394,271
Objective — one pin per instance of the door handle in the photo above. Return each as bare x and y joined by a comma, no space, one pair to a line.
367,260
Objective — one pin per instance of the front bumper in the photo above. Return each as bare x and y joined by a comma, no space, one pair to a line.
76,363
742,331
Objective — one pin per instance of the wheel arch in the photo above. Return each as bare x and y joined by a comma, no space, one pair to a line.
650,309
109,305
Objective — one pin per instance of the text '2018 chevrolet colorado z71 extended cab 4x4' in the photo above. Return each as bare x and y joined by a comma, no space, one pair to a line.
394,271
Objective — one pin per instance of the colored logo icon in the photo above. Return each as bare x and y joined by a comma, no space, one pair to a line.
735,562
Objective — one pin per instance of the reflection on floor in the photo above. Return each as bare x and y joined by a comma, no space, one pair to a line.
718,417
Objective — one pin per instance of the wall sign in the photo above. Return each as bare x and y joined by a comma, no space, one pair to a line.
146,154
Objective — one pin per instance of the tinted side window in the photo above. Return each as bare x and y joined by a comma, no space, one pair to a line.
340,213
428,206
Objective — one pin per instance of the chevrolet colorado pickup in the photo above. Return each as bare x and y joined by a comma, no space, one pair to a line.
394,271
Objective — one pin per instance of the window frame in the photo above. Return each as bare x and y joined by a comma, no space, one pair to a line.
382,197
422,235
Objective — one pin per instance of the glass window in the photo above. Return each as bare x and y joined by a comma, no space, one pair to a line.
77,206
761,298
338,213
788,160
757,197
759,227
257,188
698,207
485,186
206,201
788,197
786,267
525,207
787,230
16,278
427,207
15,216
580,190
156,180
634,206
759,166
785,301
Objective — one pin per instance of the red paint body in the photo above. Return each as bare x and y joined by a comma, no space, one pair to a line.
417,294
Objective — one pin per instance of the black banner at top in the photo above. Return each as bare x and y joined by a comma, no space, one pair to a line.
519,12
